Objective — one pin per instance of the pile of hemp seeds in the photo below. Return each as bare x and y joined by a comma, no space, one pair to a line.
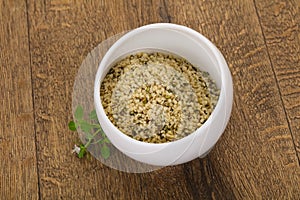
157,97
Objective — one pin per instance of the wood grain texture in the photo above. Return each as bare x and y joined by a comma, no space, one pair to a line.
18,167
280,24
255,157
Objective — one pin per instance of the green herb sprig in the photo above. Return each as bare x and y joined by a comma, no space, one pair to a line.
92,130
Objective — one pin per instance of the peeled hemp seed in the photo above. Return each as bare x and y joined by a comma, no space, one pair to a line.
157,97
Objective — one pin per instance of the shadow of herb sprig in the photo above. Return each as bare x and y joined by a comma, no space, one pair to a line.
92,131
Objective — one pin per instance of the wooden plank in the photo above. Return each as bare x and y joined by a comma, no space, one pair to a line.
255,158
62,34
18,166
280,24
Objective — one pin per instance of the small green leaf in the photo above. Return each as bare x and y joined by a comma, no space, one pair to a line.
82,151
79,112
85,127
89,136
105,151
106,140
93,115
72,126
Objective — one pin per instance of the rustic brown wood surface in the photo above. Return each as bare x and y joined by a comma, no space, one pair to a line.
18,165
42,45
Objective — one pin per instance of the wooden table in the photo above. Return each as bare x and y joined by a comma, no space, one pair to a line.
42,44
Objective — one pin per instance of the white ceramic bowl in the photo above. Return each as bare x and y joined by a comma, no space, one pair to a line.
199,51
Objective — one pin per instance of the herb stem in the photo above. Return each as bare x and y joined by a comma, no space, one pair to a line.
96,125
90,139
100,140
